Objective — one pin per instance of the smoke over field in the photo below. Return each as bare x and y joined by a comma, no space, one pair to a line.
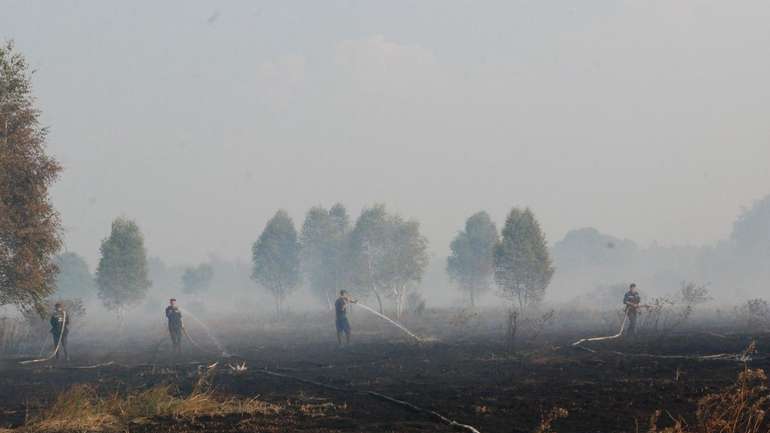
384,216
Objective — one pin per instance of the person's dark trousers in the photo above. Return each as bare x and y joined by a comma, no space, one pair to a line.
176,339
632,316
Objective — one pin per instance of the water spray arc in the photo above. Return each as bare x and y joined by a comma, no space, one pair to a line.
211,336
382,316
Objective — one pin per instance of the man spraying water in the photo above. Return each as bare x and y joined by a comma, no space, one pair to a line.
174,316
632,303
341,306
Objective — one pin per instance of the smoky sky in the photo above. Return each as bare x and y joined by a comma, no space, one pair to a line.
647,120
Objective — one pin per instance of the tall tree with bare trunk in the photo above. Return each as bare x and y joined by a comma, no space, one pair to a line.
275,257
472,262
388,255
122,275
323,242
523,267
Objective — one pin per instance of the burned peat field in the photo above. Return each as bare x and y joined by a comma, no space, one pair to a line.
464,375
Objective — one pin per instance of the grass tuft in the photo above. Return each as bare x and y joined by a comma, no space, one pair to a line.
740,408
80,408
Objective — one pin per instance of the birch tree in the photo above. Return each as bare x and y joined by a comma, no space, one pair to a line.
389,255
122,274
275,258
323,243
472,262
523,267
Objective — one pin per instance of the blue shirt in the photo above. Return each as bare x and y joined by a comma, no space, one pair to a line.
632,298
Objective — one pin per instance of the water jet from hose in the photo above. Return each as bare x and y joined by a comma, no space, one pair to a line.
211,336
382,316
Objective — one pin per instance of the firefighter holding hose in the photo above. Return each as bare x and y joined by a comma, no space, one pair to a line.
59,329
632,302
341,316
175,327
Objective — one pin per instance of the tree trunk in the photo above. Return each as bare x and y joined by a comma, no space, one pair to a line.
401,302
329,300
513,327
399,305
379,299
121,318
473,297
370,266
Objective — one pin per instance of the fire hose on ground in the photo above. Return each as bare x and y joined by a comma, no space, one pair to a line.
58,343
412,407
609,337
740,357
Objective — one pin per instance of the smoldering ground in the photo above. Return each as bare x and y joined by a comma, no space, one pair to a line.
468,368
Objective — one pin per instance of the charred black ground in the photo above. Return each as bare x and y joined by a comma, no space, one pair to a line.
473,378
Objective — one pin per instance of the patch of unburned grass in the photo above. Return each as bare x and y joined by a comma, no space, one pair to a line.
740,408
320,409
80,408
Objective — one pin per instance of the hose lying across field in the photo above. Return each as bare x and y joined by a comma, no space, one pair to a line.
58,344
414,408
740,357
610,337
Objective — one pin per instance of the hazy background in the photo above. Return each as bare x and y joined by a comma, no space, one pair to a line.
647,120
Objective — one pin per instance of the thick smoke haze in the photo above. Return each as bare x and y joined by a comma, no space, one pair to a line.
646,120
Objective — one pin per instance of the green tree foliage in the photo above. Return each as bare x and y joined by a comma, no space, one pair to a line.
522,264
196,280
388,254
472,262
29,225
121,276
276,259
74,279
324,242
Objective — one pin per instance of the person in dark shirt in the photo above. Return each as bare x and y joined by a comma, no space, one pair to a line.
60,323
341,315
632,302
174,317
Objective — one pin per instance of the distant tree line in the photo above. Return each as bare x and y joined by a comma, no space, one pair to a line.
381,255
518,262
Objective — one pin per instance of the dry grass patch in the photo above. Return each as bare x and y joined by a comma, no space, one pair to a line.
739,409
80,408
320,409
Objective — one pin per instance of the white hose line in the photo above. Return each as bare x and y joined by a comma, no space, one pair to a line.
610,337
452,423
58,343
91,367
740,357
737,357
